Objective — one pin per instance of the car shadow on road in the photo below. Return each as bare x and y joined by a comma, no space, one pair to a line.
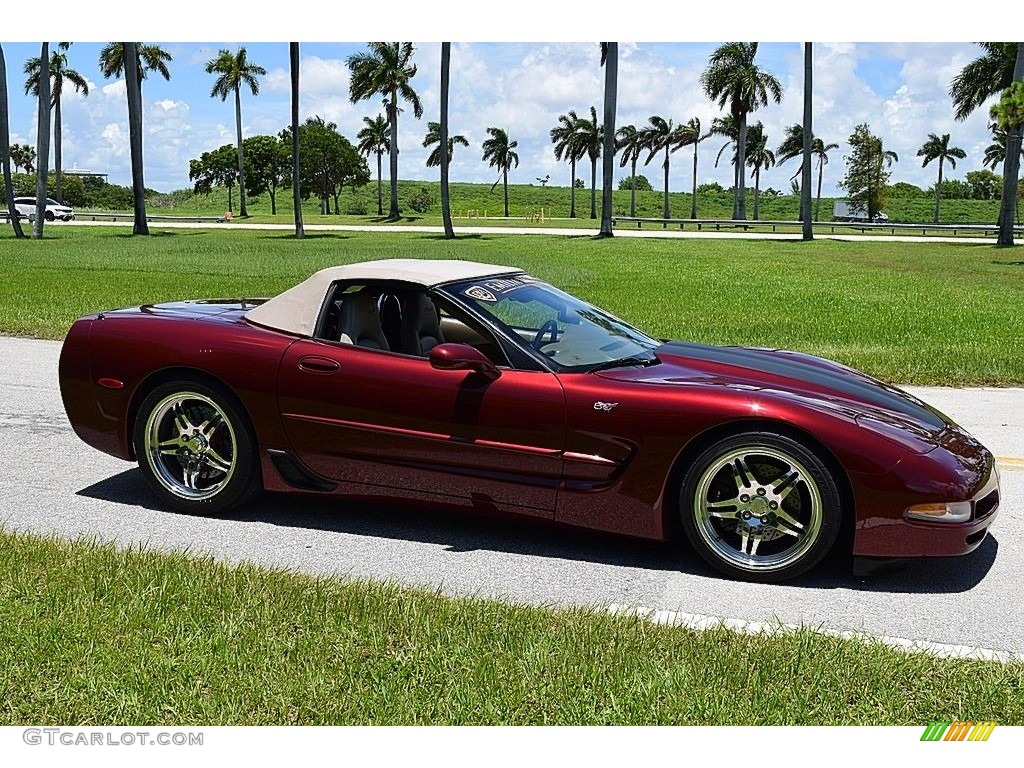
469,532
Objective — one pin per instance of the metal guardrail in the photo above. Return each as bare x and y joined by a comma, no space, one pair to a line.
90,216
720,224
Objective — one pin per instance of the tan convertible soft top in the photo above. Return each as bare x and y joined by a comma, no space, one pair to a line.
296,310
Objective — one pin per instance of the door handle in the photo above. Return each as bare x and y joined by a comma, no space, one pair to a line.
316,364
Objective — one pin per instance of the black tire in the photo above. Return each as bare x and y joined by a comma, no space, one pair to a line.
195,448
48,215
760,506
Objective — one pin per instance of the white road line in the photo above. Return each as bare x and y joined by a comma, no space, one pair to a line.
701,622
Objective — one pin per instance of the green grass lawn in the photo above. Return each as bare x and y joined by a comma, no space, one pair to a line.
92,635
905,312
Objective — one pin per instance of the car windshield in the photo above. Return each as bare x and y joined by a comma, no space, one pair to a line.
50,201
574,335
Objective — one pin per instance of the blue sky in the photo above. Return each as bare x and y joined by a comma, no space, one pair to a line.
899,88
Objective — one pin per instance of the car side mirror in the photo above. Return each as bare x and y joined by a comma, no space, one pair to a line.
462,357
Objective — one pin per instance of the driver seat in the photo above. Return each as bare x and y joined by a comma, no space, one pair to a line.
359,322
421,326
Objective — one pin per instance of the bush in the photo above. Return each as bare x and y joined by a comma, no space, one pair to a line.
423,200
357,207
639,181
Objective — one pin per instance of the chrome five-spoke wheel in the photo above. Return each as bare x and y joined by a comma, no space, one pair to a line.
760,506
195,448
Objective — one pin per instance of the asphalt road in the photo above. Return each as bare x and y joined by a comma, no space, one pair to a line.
52,483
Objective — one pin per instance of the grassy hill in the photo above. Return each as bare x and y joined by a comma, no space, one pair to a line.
528,202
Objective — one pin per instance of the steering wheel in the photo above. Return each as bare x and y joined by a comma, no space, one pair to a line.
549,327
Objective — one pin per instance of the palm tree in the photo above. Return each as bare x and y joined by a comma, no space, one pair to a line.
42,139
563,136
5,151
660,134
758,157
733,78
293,67
989,74
24,156
792,146
610,62
152,58
995,153
59,73
498,151
937,148
133,87
691,133
627,139
820,150
589,140
433,138
235,70
375,139
445,159
386,71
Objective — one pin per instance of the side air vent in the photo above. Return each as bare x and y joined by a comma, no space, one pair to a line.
295,474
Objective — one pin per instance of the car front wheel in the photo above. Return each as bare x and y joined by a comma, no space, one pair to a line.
195,448
760,506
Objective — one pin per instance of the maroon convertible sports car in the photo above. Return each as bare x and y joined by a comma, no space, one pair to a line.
478,386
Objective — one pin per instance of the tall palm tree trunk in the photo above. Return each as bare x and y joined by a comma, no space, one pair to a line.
611,74
446,206
632,189
504,183
741,175
241,152
667,213
817,203
5,150
380,186
572,189
693,197
805,170
593,188
133,88
757,193
1011,167
58,155
42,140
393,213
293,62
938,192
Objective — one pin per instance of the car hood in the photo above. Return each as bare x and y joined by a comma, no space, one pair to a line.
795,373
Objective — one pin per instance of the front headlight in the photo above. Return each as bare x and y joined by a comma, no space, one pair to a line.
948,512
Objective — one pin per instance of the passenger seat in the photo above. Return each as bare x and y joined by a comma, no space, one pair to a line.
421,327
359,322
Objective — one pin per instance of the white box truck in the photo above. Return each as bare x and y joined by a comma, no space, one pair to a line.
844,210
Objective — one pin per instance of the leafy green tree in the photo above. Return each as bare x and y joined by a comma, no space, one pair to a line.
758,157
386,70
634,183
590,139
627,141
691,134
563,136
328,162
23,157
867,170
235,70
937,148
985,185
433,139
1008,115
732,78
267,165
216,168
903,189
60,76
499,152
661,135
151,58
6,150
375,139
989,74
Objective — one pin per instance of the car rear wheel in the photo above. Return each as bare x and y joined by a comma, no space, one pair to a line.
48,215
195,448
760,506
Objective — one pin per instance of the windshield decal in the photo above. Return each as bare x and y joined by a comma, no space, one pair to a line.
480,294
